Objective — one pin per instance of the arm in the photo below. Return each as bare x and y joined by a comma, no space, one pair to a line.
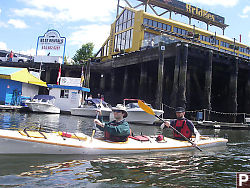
194,130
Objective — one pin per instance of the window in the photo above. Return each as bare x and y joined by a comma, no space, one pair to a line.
150,22
64,93
123,40
160,25
125,20
155,23
145,21
164,26
169,27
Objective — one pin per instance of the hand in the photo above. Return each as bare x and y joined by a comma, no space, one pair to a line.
166,123
99,111
96,121
194,144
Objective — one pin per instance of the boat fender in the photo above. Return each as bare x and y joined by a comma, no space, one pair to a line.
159,138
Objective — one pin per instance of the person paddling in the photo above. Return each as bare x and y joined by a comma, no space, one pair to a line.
117,130
183,125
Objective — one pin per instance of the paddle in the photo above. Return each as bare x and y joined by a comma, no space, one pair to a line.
149,110
94,126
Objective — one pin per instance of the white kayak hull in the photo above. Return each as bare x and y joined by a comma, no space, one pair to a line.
43,107
12,142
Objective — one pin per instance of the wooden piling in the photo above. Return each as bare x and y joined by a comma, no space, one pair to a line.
176,75
143,80
232,101
183,77
208,83
159,89
125,82
112,80
247,91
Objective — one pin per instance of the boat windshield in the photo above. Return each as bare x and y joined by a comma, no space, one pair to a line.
135,105
96,103
43,98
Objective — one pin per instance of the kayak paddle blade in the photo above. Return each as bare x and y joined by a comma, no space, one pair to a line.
145,107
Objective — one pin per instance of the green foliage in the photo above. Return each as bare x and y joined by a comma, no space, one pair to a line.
84,53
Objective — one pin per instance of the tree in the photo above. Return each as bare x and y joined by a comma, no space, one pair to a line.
84,53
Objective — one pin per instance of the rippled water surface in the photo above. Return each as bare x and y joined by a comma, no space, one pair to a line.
214,167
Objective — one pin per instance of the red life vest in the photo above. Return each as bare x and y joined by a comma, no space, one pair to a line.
182,127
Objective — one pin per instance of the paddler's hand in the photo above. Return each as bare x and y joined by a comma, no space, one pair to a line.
99,111
166,123
97,121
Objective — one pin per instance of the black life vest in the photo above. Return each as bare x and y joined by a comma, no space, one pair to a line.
182,127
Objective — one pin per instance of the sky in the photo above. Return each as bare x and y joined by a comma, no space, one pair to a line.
82,21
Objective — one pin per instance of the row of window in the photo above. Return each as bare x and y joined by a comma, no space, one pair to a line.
123,40
157,24
178,30
125,20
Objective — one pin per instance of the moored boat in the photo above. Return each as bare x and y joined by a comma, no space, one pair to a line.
138,115
33,142
43,103
90,107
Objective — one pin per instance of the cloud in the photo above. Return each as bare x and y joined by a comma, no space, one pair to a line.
19,24
0,11
73,10
3,46
2,24
225,3
33,13
32,52
245,12
90,33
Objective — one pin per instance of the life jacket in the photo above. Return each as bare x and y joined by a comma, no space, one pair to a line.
107,135
182,127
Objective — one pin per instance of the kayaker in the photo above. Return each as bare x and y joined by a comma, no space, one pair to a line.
183,125
117,130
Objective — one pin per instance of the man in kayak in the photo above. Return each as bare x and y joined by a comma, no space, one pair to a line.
117,130
183,125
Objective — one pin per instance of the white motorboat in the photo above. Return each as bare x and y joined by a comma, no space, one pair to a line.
43,103
138,115
34,142
90,107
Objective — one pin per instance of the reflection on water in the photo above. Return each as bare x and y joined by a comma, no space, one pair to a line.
214,167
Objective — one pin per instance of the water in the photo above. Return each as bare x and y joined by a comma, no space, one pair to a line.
214,167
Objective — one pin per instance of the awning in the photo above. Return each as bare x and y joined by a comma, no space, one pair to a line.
69,87
20,75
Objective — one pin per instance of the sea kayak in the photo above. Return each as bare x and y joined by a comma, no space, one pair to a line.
34,142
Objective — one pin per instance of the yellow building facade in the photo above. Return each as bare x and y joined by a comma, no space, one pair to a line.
135,30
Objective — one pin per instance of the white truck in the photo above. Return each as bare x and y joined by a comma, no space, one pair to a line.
16,58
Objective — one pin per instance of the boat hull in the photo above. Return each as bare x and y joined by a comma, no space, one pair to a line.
43,107
89,112
12,142
137,115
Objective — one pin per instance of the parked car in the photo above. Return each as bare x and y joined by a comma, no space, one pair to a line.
16,58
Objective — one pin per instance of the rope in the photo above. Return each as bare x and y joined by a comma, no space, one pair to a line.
210,111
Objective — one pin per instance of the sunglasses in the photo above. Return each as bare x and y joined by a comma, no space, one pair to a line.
117,111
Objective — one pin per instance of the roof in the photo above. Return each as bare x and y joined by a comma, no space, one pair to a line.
69,87
20,75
